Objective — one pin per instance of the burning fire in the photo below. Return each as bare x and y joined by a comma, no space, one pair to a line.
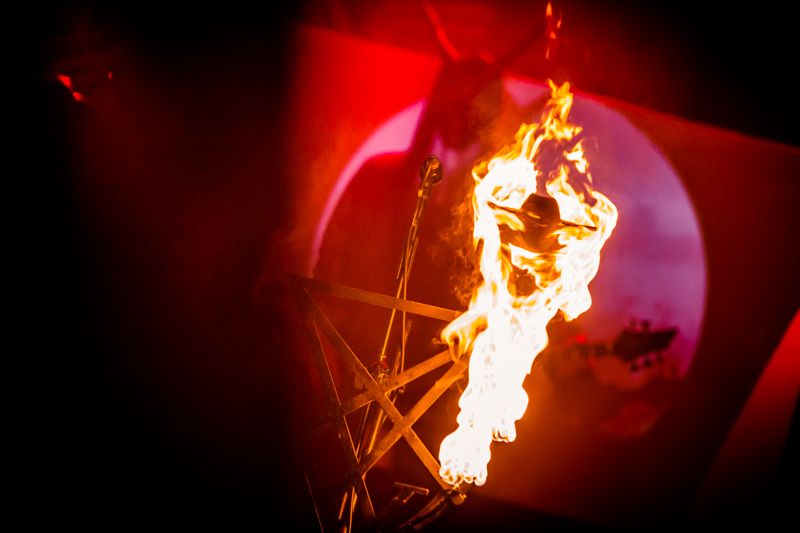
539,228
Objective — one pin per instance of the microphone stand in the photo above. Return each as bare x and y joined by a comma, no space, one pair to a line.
430,174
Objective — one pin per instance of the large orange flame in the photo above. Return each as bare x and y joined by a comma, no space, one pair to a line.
539,249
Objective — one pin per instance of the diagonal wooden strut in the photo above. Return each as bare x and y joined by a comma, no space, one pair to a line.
386,386
381,300
343,431
403,426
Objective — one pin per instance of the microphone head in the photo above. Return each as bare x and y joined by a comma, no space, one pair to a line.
431,170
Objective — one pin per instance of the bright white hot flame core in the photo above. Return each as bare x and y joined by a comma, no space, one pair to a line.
504,327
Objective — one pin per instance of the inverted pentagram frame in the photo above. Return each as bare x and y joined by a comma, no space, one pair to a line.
377,391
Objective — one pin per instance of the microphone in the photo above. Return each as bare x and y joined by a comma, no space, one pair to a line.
431,171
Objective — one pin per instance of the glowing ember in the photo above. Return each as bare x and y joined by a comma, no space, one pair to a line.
540,249
68,84
552,26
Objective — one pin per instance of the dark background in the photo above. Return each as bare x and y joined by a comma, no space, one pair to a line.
158,378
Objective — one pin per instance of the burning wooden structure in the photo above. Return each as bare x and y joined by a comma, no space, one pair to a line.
538,230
